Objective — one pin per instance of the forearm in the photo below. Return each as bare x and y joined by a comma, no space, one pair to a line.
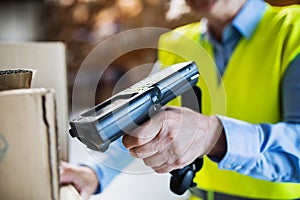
109,164
265,151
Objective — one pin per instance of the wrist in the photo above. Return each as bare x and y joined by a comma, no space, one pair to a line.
220,148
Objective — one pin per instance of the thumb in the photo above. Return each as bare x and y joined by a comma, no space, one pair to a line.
67,174
65,178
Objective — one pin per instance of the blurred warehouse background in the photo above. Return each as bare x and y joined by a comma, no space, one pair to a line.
82,24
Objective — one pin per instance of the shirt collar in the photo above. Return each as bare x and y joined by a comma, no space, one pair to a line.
245,21
249,16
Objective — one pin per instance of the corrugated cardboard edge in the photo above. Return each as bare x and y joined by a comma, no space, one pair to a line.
15,79
49,110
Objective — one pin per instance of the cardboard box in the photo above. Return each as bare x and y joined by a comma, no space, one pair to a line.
49,61
28,146
29,160
68,192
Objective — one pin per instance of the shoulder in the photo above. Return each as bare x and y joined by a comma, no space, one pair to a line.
284,28
191,31
186,29
282,22
286,15
290,11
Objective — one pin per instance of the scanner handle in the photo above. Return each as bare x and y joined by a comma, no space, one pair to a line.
182,179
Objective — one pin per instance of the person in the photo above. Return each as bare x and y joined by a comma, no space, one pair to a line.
250,143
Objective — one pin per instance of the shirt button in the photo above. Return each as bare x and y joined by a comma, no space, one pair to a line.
238,167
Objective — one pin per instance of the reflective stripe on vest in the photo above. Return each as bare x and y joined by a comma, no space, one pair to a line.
249,90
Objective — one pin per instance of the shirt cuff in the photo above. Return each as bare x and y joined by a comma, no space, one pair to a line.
109,164
105,174
242,144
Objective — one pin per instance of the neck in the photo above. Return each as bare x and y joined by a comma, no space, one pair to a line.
223,15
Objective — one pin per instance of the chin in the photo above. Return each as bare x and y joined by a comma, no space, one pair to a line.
201,7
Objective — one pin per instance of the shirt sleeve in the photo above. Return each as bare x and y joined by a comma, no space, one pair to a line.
109,164
268,151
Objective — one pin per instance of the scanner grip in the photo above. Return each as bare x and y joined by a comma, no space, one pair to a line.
182,179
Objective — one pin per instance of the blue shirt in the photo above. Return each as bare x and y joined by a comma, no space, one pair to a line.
265,151
109,164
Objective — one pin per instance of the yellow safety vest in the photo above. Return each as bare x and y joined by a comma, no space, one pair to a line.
249,89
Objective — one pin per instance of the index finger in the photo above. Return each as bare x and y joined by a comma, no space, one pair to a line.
141,135
145,132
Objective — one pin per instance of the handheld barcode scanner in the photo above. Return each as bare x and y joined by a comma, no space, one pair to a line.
125,111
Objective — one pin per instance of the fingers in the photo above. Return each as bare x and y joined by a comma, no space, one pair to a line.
141,135
172,139
83,178
156,160
144,133
161,142
67,172
179,163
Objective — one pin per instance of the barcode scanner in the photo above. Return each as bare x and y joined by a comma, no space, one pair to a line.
130,108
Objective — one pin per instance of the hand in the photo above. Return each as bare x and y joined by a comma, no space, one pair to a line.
174,138
83,178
